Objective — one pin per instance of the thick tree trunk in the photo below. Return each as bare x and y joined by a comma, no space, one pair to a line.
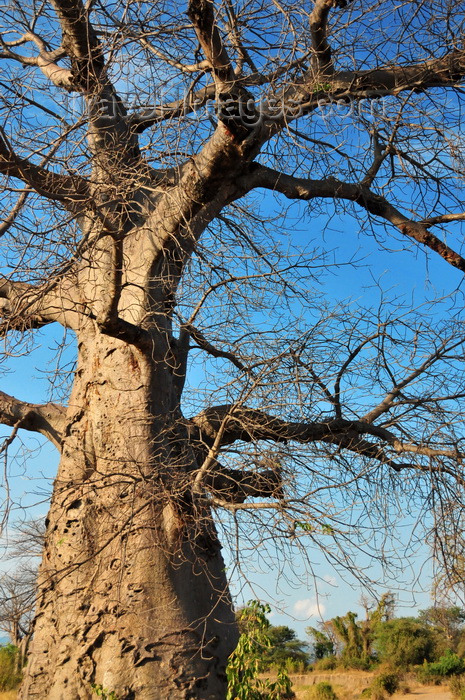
133,595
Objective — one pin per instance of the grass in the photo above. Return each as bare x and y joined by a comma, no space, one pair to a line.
8,695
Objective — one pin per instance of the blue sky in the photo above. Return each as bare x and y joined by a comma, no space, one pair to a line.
403,269
325,594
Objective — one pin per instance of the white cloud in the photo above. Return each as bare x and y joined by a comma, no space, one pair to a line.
308,607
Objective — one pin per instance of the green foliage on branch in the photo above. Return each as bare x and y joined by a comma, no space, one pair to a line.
248,660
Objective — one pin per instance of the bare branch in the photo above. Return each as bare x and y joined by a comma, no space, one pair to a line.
201,66
443,219
396,390
307,95
201,13
246,424
48,419
321,58
28,306
9,220
204,344
45,60
306,189
80,42
71,190
235,486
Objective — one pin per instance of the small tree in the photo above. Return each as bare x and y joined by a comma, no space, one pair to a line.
449,620
404,641
286,647
323,645
249,659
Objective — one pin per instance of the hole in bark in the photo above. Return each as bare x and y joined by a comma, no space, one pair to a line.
75,504
136,587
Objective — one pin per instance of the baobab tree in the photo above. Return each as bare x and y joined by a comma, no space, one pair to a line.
137,141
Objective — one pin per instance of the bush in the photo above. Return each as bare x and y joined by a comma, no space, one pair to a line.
10,676
448,665
356,663
246,662
323,691
328,663
386,683
294,666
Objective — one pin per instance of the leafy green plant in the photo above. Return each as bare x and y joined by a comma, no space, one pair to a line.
10,674
321,87
286,650
323,645
103,693
448,665
247,660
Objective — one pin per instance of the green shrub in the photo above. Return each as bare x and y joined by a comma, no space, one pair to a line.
104,693
328,663
386,682
356,663
448,665
10,675
323,691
